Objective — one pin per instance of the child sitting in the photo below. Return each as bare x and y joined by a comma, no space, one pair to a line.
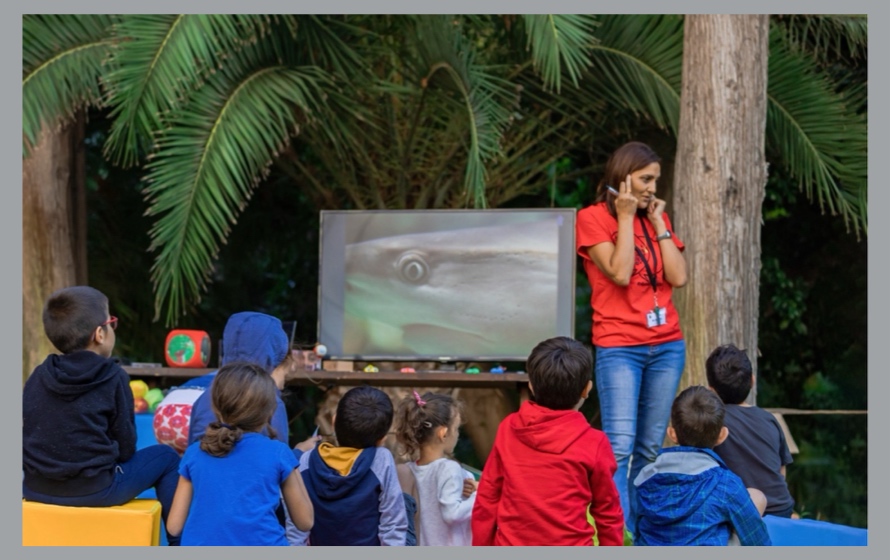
428,426
353,486
229,483
756,449
548,466
259,339
688,496
78,428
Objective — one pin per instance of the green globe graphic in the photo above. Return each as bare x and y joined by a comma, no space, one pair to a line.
181,348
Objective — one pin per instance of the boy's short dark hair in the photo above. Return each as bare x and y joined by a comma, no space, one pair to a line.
72,314
364,416
729,373
697,417
559,369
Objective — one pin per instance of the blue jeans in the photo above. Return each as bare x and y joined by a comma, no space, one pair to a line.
154,466
636,386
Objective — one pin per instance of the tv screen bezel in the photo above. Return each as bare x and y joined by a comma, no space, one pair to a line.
332,265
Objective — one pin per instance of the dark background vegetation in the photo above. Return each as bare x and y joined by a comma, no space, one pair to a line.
812,350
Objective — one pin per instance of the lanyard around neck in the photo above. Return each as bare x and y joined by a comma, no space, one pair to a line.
653,279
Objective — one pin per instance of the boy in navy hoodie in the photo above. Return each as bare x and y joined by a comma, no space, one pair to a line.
354,487
78,429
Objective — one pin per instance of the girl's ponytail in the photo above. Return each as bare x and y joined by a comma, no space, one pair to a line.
244,398
418,416
220,438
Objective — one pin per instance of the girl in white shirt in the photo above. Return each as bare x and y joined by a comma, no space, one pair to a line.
427,427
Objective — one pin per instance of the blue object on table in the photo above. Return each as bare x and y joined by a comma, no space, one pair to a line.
809,532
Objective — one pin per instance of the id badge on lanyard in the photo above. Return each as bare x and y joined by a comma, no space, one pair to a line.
658,315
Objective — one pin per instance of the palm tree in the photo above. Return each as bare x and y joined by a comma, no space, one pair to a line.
398,111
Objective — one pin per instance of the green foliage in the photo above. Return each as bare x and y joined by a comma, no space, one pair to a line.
789,299
230,129
486,98
407,111
116,242
64,58
817,134
829,477
637,66
159,60
812,343
560,41
826,38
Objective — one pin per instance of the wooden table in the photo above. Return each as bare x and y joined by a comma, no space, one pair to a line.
430,378
427,378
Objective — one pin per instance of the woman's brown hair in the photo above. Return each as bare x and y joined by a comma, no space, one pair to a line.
243,397
630,157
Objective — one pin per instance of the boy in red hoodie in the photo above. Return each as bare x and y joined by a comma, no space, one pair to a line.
548,465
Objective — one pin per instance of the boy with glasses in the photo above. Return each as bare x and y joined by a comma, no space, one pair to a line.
78,429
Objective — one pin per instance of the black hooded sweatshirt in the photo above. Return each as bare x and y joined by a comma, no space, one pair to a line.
77,424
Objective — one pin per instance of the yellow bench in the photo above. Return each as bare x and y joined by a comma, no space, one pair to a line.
136,523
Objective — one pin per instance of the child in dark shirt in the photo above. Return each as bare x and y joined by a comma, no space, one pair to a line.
756,449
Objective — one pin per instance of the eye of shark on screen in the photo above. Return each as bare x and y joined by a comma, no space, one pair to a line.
412,267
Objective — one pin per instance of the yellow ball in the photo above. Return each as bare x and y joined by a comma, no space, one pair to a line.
139,388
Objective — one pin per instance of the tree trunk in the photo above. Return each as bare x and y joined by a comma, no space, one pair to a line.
53,230
719,180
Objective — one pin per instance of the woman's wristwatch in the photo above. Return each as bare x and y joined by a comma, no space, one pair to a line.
665,235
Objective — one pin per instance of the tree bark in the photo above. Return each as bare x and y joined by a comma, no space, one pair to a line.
719,180
52,207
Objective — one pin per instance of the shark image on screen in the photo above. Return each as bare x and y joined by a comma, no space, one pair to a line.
458,287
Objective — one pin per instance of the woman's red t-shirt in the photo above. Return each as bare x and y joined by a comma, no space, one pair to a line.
619,312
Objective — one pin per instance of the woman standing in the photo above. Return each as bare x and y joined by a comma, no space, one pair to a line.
633,261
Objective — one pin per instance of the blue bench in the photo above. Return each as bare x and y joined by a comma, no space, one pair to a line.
809,532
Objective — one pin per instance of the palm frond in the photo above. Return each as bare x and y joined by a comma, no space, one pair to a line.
333,43
159,58
525,167
211,159
487,99
820,138
637,66
558,40
63,58
824,36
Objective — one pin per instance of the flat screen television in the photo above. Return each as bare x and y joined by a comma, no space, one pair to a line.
445,285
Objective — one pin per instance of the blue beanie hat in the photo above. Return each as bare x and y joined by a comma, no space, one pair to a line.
256,338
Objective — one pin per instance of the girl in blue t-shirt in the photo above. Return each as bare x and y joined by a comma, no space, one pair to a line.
232,479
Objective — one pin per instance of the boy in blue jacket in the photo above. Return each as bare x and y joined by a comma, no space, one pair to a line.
688,496
354,487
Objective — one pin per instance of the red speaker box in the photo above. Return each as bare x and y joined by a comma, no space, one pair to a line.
187,349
